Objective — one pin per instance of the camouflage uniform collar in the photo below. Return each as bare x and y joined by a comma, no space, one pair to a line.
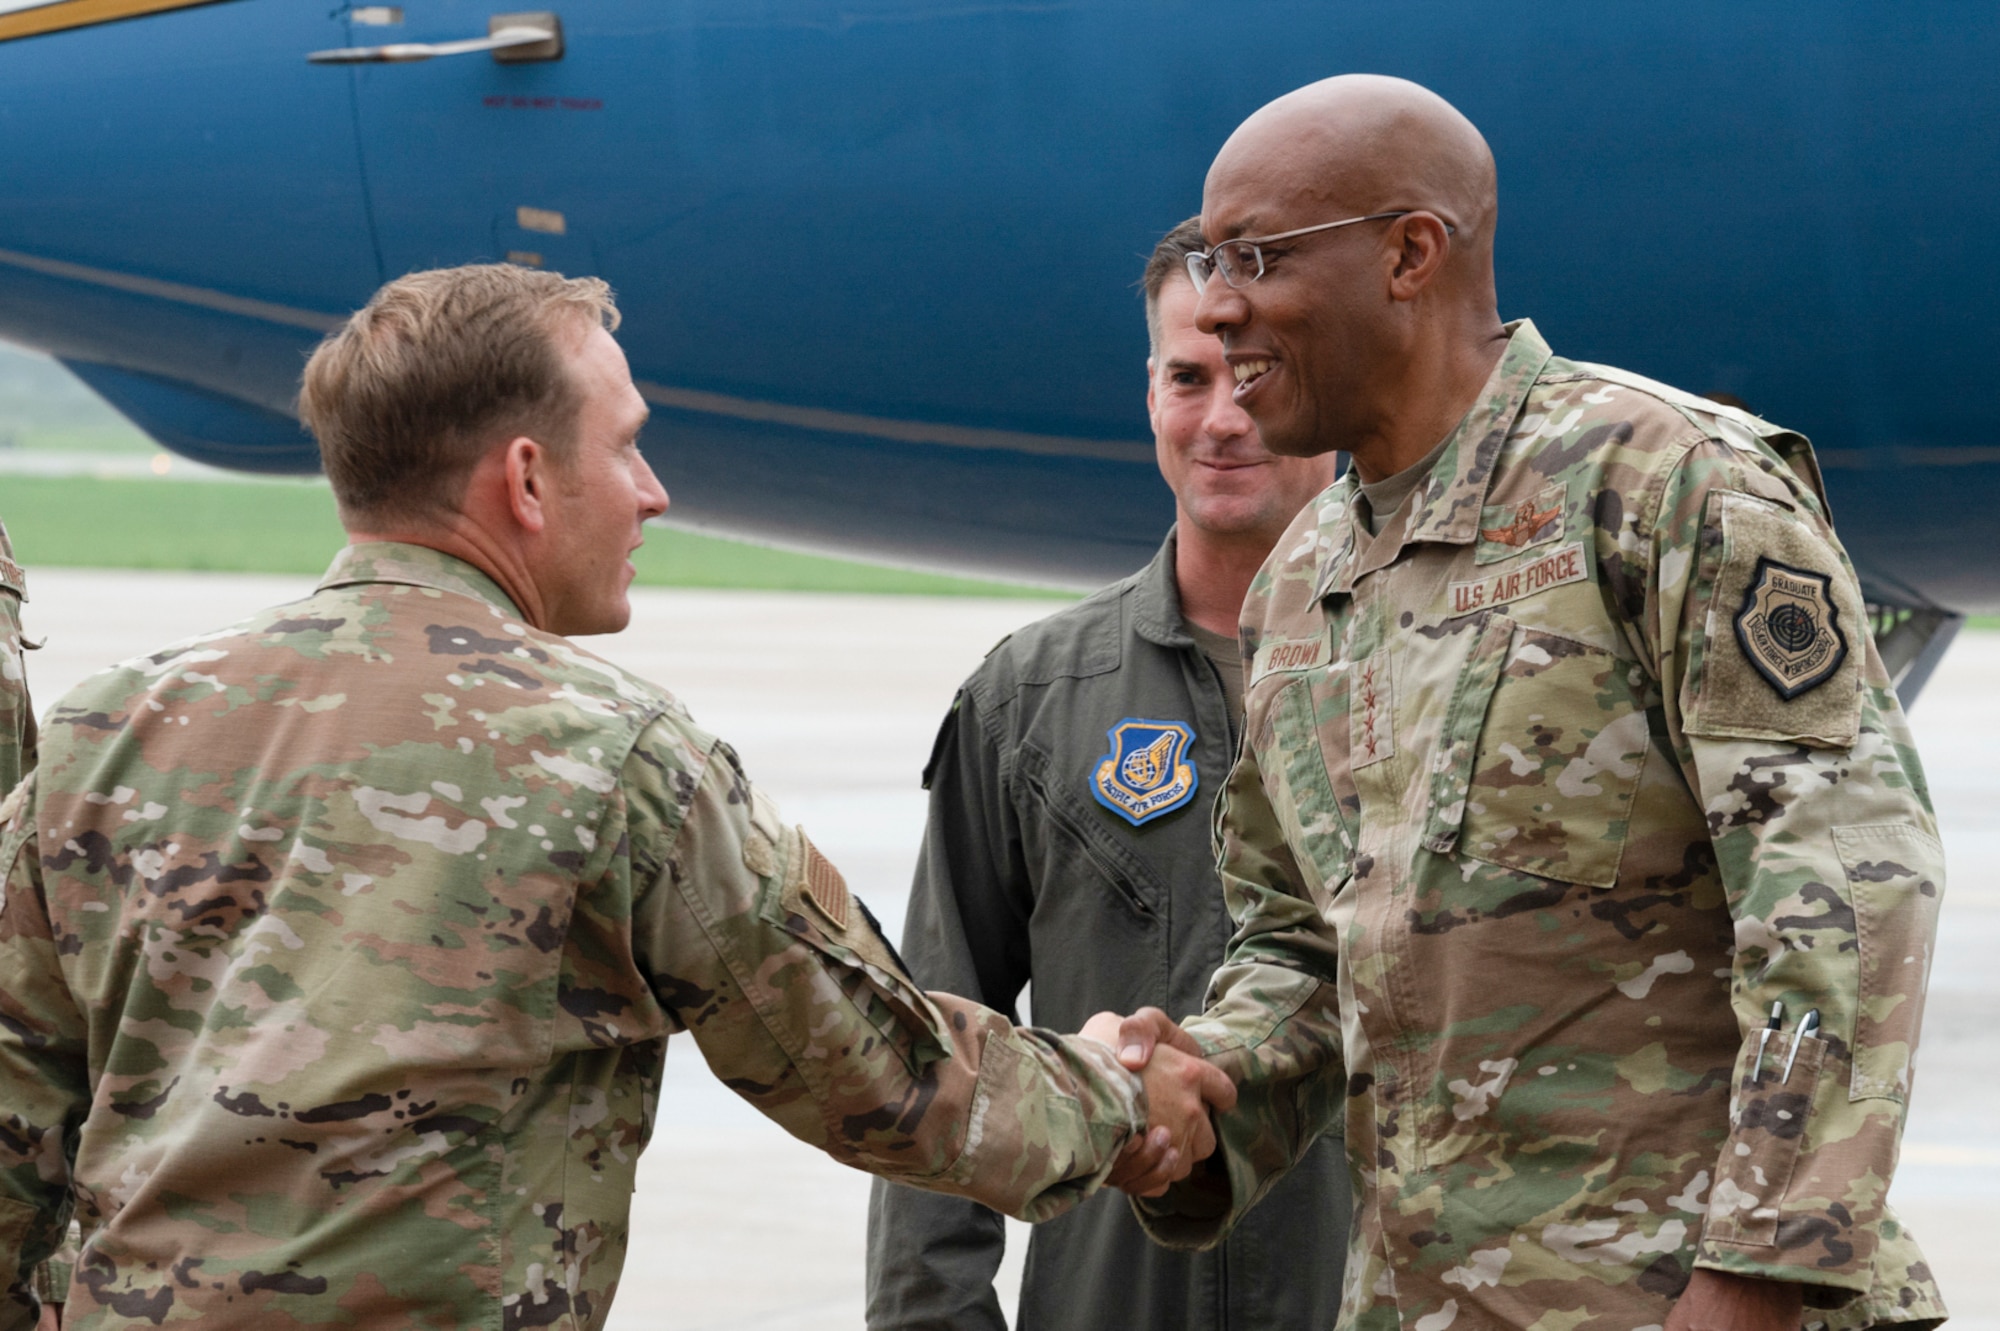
415,566
1156,599
1445,509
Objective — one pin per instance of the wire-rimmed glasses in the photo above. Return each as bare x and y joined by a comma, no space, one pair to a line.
1241,261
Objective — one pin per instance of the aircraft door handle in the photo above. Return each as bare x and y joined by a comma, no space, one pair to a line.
512,38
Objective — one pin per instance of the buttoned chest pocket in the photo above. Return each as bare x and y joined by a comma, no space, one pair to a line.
1546,740
1305,757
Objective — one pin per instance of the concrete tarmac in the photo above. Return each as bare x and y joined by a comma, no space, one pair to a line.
833,702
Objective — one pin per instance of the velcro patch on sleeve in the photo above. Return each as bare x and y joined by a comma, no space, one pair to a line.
825,888
1782,635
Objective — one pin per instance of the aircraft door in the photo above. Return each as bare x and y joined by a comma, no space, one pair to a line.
490,133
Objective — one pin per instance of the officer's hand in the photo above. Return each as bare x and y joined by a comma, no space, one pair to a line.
1135,1037
1716,1301
1181,1089
51,1319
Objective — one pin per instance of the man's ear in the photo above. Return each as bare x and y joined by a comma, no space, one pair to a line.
528,469
1151,409
1423,247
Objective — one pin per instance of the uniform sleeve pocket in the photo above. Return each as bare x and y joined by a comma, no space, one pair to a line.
1767,1116
1781,635
1895,876
814,906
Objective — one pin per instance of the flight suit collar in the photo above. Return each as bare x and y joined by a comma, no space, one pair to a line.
414,566
1445,509
1156,599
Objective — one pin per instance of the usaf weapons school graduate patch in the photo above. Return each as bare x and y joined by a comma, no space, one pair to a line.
1790,629
1773,656
1148,771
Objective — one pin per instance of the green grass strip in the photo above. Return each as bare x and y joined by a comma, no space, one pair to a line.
290,527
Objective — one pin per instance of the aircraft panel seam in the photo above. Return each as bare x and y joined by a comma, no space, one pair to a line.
268,311
909,432
682,399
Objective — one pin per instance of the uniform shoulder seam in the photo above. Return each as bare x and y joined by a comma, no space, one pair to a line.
1058,643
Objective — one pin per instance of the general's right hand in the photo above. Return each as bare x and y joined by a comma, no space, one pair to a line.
1181,1090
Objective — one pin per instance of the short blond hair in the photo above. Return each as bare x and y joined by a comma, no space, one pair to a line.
439,366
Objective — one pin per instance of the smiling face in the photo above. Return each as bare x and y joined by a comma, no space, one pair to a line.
1306,343
1362,338
602,492
1225,482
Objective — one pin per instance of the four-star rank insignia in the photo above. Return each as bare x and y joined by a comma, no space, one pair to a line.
1147,772
1790,629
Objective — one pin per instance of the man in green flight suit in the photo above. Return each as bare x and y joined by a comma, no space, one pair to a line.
1570,764
1060,853
343,944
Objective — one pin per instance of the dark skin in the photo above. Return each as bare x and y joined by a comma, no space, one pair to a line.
1375,340
1378,336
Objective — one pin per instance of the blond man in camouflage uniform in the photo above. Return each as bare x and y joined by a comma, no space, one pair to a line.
1569,757
342,945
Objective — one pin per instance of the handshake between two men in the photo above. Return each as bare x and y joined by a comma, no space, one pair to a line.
1182,1089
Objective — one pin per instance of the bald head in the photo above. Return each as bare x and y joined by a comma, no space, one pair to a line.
1366,143
1367,338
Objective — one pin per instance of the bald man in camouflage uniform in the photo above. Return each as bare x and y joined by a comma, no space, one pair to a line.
1570,761
342,945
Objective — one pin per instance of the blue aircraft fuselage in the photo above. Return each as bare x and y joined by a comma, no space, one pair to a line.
877,258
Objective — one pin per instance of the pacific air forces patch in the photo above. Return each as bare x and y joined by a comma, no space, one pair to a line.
1789,628
1148,771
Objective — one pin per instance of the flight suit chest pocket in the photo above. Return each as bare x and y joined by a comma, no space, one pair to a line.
1075,845
1306,761
1541,756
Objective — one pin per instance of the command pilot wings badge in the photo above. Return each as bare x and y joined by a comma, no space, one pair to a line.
1148,771
1789,628
1528,523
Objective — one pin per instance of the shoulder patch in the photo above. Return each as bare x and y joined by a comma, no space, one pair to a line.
1148,771
1789,627
13,578
1771,655
825,887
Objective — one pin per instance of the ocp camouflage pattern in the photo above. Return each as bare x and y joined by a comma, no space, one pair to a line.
343,948
1522,848
17,717
17,758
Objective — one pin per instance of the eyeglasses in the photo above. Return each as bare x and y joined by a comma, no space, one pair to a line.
1241,262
